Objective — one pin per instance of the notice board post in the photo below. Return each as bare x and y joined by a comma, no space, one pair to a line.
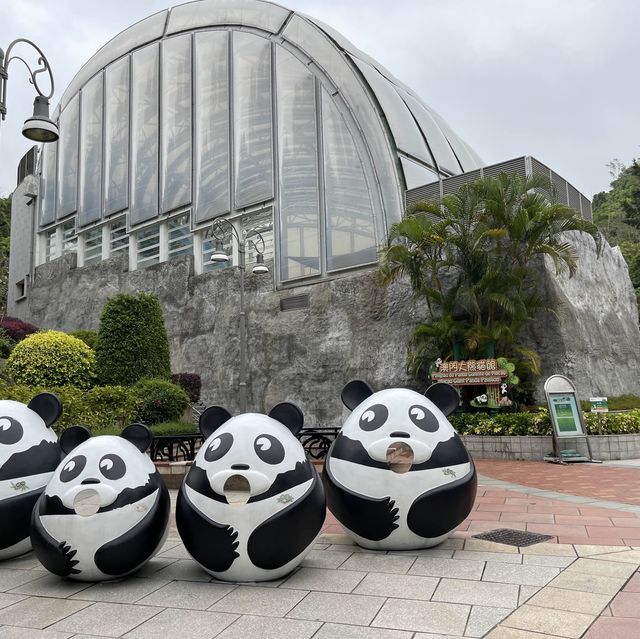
566,417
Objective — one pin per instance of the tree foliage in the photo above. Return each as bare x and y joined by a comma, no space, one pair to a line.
5,231
469,256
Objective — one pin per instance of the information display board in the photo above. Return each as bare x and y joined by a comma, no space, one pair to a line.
565,414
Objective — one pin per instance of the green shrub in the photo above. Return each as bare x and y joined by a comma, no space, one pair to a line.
89,337
132,340
100,408
159,401
190,382
164,428
52,358
6,344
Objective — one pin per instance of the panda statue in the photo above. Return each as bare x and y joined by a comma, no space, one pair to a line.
105,512
29,453
398,477
252,504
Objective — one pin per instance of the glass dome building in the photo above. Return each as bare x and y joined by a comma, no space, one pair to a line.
245,110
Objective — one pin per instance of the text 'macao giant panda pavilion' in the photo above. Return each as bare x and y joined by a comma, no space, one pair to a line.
398,476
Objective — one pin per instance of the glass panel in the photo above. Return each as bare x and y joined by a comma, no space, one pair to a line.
298,151
51,245
68,165
467,161
93,246
252,119
349,211
69,237
263,223
119,238
148,246
116,144
48,184
417,175
211,125
208,246
180,237
176,122
144,134
90,208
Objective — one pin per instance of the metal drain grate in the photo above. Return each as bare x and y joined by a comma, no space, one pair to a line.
513,537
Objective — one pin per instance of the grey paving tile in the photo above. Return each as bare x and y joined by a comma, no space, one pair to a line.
319,546
602,568
13,632
350,548
169,544
430,635
337,608
192,595
584,582
483,618
182,624
370,562
546,620
479,555
547,560
152,567
183,570
126,591
559,550
11,578
108,619
176,552
24,562
519,574
269,628
586,602
325,558
439,567
8,599
480,593
446,553
342,631
400,586
39,612
526,592
502,632
270,602
324,580
426,616
51,586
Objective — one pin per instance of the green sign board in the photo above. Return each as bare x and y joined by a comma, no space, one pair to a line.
599,404
565,415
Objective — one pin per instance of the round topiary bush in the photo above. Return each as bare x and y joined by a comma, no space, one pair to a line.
132,340
159,401
50,359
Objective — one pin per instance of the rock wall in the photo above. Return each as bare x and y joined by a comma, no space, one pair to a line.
352,328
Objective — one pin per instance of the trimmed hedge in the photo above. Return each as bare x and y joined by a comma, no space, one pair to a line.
89,337
52,358
132,340
190,382
159,401
165,428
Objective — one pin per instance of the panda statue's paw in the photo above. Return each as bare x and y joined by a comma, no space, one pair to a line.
391,515
63,563
233,537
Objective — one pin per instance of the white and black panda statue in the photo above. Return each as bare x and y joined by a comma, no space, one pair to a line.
398,476
252,504
106,510
29,453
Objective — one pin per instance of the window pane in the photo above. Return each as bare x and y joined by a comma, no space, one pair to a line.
90,208
69,237
144,134
48,184
208,246
51,245
116,151
211,125
68,165
297,145
176,122
253,146
180,237
93,246
119,240
349,211
262,222
148,246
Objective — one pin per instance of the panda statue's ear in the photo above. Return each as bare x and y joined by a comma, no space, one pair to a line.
289,415
444,396
355,392
72,437
139,435
48,406
212,418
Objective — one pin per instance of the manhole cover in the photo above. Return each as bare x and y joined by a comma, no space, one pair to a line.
513,537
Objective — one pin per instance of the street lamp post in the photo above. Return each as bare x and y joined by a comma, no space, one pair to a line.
219,255
39,127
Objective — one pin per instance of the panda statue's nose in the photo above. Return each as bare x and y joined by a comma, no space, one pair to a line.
399,433
240,467
90,480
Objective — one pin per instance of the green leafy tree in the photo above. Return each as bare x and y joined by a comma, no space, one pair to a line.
132,340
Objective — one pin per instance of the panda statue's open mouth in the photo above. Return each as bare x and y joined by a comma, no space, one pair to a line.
237,490
400,457
87,502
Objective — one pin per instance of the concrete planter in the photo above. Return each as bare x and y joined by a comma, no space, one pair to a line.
534,448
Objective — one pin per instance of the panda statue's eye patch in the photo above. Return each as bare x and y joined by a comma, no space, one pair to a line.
10,431
374,417
218,447
112,467
72,468
269,449
424,419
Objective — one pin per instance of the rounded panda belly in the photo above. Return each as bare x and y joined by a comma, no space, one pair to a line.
403,489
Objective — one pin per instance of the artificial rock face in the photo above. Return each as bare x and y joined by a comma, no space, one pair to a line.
29,453
398,476
105,512
252,504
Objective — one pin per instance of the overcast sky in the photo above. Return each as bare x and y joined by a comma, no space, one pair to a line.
556,79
